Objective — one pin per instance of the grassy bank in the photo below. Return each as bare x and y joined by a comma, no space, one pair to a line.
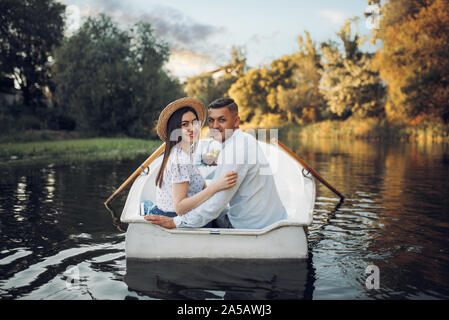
39,135
74,150
372,129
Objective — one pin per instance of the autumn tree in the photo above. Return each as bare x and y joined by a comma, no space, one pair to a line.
414,60
299,96
250,92
349,82
395,12
284,91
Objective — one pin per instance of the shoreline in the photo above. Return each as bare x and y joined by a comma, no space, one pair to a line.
365,129
74,150
67,147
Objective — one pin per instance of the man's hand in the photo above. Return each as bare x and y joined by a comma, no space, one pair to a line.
162,221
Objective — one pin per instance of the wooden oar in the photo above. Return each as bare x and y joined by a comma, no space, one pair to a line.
138,171
308,168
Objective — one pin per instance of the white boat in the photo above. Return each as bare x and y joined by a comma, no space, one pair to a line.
285,239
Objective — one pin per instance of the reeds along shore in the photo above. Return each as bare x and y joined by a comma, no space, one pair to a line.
369,129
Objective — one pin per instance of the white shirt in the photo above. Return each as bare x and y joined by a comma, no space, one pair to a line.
179,168
254,201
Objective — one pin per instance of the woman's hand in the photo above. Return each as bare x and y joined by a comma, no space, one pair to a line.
228,180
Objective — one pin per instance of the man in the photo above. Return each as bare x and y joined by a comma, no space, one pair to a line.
254,202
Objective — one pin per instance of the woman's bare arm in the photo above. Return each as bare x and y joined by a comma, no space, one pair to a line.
184,204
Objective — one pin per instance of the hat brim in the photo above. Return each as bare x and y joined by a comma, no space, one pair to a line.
165,115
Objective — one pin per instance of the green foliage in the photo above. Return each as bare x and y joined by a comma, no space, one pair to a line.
111,80
26,43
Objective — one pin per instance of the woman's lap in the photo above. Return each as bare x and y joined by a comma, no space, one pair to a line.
160,212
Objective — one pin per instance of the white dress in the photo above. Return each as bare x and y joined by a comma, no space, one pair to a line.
179,168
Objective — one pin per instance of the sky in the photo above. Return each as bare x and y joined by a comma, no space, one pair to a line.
201,33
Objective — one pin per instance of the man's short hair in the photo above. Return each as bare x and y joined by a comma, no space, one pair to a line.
225,102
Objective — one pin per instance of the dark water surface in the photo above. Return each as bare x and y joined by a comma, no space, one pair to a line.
57,241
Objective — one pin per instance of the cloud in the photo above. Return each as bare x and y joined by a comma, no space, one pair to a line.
179,29
191,48
191,42
185,63
169,23
335,16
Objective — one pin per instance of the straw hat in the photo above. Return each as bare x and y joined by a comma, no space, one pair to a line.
195,103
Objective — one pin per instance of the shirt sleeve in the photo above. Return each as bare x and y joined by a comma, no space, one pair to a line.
212,207
181,173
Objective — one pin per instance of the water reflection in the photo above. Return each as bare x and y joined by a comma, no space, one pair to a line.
116,218
51,217
395,215
221,279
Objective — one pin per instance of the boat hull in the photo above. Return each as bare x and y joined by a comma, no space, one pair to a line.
146,241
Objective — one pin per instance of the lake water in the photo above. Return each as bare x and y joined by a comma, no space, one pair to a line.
57,240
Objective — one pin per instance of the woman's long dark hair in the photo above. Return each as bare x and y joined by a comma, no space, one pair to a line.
173,123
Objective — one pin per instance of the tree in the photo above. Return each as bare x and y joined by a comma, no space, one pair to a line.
27,41
287,90
250,92
395,12
216,83
300,97
237,66
202,87
349,83
112,80
414,60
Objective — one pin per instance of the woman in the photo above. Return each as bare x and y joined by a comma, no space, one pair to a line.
180,186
